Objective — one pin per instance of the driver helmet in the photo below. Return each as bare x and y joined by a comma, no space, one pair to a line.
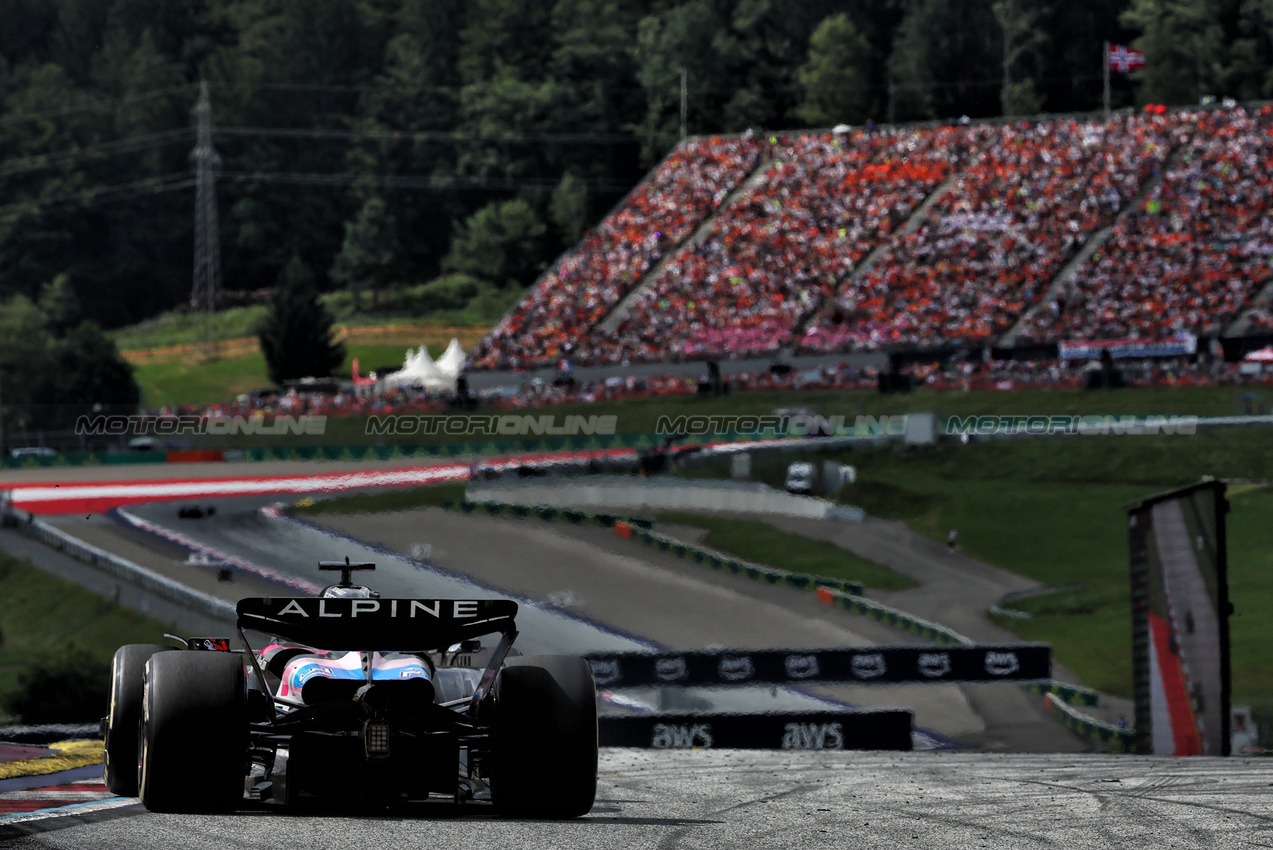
353,591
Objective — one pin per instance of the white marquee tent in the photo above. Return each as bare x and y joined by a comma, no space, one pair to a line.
420,370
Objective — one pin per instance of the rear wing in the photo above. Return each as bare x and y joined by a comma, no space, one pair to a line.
377,624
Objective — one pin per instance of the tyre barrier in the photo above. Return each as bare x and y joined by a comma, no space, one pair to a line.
891,617
1118,740
825,730
1072,694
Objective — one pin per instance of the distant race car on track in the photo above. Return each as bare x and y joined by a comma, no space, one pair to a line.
196,511
351,698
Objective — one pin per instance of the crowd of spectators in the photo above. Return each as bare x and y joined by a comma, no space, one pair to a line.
993,243
1193,254
588,281
781,249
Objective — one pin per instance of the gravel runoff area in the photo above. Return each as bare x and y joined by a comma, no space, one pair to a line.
731,799
682,605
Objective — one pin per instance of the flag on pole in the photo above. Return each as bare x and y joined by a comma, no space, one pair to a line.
1123,59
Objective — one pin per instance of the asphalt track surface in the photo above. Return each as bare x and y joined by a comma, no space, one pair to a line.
463,554
701,798
730,800
576,596
681,605
583,590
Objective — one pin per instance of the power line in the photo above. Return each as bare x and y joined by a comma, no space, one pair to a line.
178,181
430,135
91,197
133,144
407,182
94,105
130,144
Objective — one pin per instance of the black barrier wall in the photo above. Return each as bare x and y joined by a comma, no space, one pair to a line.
890,665
872,730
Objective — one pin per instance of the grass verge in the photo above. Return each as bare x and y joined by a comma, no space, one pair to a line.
1054,510
41,615
193,379
766,545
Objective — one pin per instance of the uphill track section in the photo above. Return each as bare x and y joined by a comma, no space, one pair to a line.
727,800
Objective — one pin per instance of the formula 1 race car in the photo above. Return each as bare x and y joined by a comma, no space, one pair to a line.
354,699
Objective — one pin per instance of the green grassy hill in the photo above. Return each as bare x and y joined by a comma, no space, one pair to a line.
43,617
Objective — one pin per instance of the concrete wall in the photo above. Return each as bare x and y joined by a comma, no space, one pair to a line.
669,494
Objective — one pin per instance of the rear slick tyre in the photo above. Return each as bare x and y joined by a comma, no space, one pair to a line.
123,719
194,732
544,761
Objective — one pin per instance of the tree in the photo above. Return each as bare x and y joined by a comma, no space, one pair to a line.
25,363
945,53
679,38
505,37
88,374
60,306
761,48
834,78
1021,37
296,335
366,258
911,78
1183,42
568,208
1249,73
67,685
497,244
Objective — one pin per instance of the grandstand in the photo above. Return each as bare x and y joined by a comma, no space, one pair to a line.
1136,225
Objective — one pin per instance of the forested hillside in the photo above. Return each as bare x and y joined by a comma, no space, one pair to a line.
387,142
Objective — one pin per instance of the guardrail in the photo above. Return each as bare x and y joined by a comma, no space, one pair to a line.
639,528
892,617
1120,740
548,514
625,493
734,566
126,570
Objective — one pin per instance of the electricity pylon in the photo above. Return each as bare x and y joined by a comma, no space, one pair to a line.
207,237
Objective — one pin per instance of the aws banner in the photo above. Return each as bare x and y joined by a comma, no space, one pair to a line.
891,664
824,730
